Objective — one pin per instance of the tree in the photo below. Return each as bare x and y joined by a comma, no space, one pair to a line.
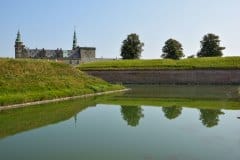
132,114
172,49
210,46
132,47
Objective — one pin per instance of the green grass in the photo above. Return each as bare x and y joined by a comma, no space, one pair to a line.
191,63
33,80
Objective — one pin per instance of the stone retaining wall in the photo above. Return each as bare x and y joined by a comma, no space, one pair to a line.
169,76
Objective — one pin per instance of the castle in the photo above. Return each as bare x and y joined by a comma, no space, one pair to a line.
74,56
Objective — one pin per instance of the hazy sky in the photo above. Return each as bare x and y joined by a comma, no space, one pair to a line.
104,24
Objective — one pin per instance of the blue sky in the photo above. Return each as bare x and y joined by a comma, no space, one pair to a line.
104,24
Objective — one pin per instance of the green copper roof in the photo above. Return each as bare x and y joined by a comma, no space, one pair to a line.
18,39
74,40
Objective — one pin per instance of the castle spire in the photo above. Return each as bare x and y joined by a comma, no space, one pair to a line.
19,47
18,39
74,40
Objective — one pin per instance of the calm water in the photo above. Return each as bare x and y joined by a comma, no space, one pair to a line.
147,123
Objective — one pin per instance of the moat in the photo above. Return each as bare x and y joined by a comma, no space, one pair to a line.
150,122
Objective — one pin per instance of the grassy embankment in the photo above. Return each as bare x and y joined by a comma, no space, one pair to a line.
32,80
191,63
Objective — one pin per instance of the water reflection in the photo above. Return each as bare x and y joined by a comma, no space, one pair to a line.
209,117
24,119
185,91
107,124
210,106
132,114
75,120
172,112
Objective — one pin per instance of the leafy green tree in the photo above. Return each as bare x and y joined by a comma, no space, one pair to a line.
172,112
210,46
132,114
210,117
132,47
172,49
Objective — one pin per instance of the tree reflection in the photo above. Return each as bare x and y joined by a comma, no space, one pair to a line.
132,114
172,112
210,117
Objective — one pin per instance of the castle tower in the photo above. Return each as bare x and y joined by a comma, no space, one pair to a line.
18,46
74,41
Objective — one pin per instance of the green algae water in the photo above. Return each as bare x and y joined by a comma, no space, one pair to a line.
150,122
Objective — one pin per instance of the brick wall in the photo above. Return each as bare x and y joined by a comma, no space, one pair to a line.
170,76
87,54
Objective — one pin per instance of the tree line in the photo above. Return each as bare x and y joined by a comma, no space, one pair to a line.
132,47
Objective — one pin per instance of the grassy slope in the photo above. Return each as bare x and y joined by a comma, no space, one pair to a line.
192,63
31,80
